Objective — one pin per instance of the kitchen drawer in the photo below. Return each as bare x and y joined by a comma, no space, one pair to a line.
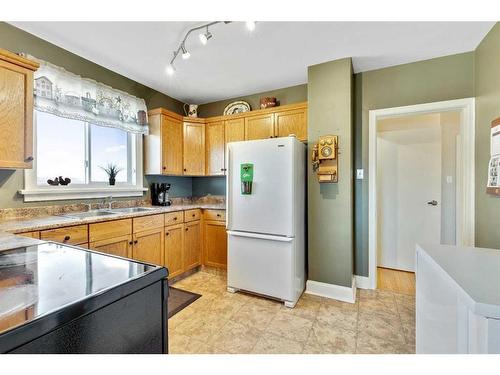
192,215
35,235
148,222
217,215
71,235
172,218
110,229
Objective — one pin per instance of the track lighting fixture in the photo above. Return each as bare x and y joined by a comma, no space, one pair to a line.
185,53
204,38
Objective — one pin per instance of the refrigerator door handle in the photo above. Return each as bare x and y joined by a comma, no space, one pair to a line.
260,236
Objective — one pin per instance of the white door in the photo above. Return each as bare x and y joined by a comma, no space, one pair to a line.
269,207
409,198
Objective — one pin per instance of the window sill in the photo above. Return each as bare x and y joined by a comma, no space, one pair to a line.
57,194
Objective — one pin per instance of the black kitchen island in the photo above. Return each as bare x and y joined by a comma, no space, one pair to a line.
61,299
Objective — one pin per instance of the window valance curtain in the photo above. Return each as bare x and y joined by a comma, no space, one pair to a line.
68,95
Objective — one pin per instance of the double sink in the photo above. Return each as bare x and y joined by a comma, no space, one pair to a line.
106,212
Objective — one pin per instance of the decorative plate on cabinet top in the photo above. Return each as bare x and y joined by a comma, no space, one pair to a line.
239,106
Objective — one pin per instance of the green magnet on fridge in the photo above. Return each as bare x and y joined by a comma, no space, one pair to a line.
246,176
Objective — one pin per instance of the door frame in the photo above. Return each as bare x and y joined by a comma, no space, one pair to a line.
465,173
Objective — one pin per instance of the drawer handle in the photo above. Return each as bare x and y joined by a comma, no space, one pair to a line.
67,238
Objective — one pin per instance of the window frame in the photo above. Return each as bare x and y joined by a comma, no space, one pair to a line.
33,192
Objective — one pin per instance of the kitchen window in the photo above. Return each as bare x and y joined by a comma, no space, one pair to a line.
78,150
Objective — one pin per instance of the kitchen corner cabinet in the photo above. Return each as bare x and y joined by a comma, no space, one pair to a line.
259,127
194,149
16,111
163,145
192,245
174,248
215,147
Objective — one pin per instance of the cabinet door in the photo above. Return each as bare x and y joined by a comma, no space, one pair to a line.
194,149
148,246
16,116
35,235
292,122
259,127
215,148
215,244
235,130
192,245
120,246
174,244
171,145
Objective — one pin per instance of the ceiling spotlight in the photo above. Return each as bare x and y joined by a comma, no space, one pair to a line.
170,69
204,37
250,25
185,53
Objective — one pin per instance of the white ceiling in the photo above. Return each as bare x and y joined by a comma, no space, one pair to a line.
236,62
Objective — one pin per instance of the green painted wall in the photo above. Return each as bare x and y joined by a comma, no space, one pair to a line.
444,78
215,185
487,90
16,40
330,206
287,95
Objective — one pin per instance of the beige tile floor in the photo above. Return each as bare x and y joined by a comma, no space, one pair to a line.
221,322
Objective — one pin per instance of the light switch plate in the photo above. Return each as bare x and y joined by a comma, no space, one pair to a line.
359,174
449,179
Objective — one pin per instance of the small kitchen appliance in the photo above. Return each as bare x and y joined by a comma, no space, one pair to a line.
159,194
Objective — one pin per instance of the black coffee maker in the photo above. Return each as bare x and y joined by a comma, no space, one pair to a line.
159,194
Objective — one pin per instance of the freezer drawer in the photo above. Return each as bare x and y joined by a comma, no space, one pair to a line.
261,264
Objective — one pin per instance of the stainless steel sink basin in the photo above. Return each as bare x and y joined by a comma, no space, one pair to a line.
87,214
130,210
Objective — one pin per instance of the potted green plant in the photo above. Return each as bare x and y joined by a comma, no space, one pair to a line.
111,170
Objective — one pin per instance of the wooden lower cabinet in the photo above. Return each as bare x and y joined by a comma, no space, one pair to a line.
192,245
120,246
174,248
215,244
148,246
35,235
74,235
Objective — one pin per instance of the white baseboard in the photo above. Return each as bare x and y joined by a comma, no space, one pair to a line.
362,282
338,292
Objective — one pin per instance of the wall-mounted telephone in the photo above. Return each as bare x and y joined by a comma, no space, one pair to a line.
324,158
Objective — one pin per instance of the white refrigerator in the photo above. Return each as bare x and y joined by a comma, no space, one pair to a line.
266,226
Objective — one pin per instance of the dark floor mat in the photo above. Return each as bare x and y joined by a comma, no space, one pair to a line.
179,299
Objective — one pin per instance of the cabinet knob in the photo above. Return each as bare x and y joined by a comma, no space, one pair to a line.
135,241
29,158
166,234
175,218
218,215
164,167
187,229
185,170
193,215
67,238
130,243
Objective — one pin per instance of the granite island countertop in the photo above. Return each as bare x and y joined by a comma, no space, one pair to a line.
20,225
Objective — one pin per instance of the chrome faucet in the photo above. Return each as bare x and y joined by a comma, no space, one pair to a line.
89,206
108,201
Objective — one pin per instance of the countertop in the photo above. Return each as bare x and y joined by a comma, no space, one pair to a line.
474,271
50,222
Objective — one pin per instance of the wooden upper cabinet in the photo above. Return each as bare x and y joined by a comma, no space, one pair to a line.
194,149
259,127
215,147
163,144
174,246
16,111
291,122
192,245
234,130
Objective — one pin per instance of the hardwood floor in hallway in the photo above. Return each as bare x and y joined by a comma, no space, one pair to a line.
396,281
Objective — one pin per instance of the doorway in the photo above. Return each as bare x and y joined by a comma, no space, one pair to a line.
420,182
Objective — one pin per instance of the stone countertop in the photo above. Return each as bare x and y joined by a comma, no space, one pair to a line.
474,272
11,241
49,222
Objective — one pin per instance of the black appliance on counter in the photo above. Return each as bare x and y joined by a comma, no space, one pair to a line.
159,194
57,298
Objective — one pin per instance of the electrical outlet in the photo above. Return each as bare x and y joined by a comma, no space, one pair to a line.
359,174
